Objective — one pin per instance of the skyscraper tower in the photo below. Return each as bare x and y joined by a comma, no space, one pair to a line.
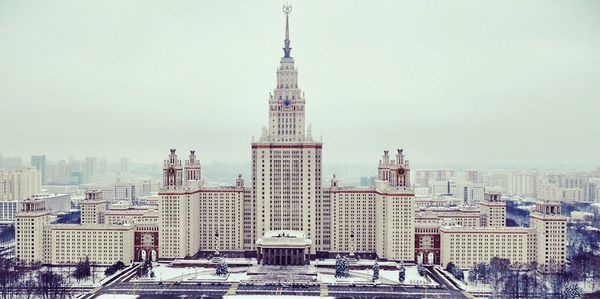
39,162
179,211
286,162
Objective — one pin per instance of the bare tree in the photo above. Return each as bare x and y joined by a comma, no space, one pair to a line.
10,276
51,285
499,270
28,284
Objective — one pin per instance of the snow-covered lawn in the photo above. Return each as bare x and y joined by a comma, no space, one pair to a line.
230,261
330,278
362,262
237,277
94,280
66,272
391,276
412,277
211,276
587,286
272,297
113,296
467,285
165,272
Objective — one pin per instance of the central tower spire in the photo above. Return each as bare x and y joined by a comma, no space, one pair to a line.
287,9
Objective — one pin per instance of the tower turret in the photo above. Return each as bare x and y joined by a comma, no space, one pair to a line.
286,104
172,172
192,168
239,182
551,234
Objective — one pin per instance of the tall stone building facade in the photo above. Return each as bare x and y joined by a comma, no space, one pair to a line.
286,215
287,198
286,161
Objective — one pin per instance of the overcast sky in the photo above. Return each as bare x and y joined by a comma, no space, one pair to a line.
459,83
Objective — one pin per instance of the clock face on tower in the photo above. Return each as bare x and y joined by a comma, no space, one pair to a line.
286,103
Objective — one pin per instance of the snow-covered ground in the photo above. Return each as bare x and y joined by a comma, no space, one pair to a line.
271,297
330,278
412,277
165,272
95,279
230,261
474,286
362,262
587,286
468,285
391,276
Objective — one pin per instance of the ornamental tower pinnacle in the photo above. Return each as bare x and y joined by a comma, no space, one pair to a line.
286,103
287,9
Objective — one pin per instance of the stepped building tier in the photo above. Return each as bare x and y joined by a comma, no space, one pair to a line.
286,162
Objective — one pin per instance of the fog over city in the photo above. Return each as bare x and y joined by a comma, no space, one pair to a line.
504,84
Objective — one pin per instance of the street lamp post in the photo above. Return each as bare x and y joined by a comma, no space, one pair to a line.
351,257
217,243
217,255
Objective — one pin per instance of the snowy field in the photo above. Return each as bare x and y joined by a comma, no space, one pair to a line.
471,286
412,276
166,272
230,262
95,279
271,297
468,285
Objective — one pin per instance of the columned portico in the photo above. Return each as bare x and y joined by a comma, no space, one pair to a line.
283,248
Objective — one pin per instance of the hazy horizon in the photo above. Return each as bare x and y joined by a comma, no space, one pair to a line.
477,84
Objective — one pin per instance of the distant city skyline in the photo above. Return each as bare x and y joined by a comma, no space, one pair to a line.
329,167
496,84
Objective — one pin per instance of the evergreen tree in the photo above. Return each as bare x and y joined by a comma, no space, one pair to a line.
402,274
450,266
82,269
375,271
114,268
473,275
338,266
346,267
458,273
222,268
455,271
341,266
421,269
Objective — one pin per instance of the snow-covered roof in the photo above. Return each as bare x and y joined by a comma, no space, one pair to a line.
284,234
284,238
